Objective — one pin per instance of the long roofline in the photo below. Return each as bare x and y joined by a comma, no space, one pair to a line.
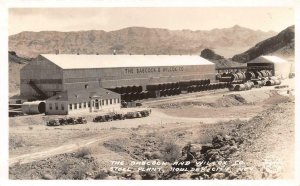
73,61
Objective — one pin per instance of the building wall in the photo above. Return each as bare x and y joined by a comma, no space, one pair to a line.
46,75
113,77
51,78
55,107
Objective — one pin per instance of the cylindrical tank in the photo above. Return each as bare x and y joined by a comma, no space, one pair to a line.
123,90
134,88
139,88
277,82
259,74
264,74
240,76
231,87
34,107
270,83
218,76
128,89
183,83
233,76
247,86
240,87
258,83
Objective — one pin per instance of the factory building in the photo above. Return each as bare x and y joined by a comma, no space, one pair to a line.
88,83
51,74
278,66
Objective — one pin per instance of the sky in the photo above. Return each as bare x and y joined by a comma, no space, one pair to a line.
108,19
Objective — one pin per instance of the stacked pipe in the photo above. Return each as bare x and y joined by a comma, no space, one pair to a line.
240,87
273,81
127,89
258,74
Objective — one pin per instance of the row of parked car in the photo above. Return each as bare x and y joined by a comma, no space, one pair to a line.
103,118
117,116
66,121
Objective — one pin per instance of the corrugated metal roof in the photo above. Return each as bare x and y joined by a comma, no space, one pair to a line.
68,61
77,96
268,59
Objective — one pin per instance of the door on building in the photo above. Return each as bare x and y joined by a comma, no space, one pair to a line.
97,104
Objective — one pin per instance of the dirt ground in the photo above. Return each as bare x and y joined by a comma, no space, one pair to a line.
177,120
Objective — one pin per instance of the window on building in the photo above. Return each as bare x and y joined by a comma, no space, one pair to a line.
84,105
102,102
106,101
75,105
86,86
89,104
70,106
62,107
79,105
118,100
56,106
115,101
110,101
50,106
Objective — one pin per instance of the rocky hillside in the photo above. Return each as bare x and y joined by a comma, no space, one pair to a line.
283,44
14,58
15,64
219,60
136,40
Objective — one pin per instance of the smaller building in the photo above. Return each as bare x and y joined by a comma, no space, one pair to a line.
83,101
279,67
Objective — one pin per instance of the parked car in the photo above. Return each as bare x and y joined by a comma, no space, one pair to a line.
145,113
104,118
131,115
53,122
119,117
81,120
71,120
63,121
109,117
99,119
124,104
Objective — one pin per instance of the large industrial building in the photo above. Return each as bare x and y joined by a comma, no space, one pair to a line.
278,66
58,79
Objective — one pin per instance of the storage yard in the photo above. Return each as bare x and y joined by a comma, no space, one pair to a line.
195,117
191,112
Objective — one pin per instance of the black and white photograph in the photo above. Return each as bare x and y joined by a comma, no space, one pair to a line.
151,93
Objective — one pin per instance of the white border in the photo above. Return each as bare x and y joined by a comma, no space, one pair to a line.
5,4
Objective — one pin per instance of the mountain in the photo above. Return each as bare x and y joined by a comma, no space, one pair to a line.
135,40
15,64
283,44
14,58
219,60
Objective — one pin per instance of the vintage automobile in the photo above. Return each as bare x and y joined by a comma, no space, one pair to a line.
119,117
63,121
145,113
81,120
131,115
104,118
53,122
71,120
